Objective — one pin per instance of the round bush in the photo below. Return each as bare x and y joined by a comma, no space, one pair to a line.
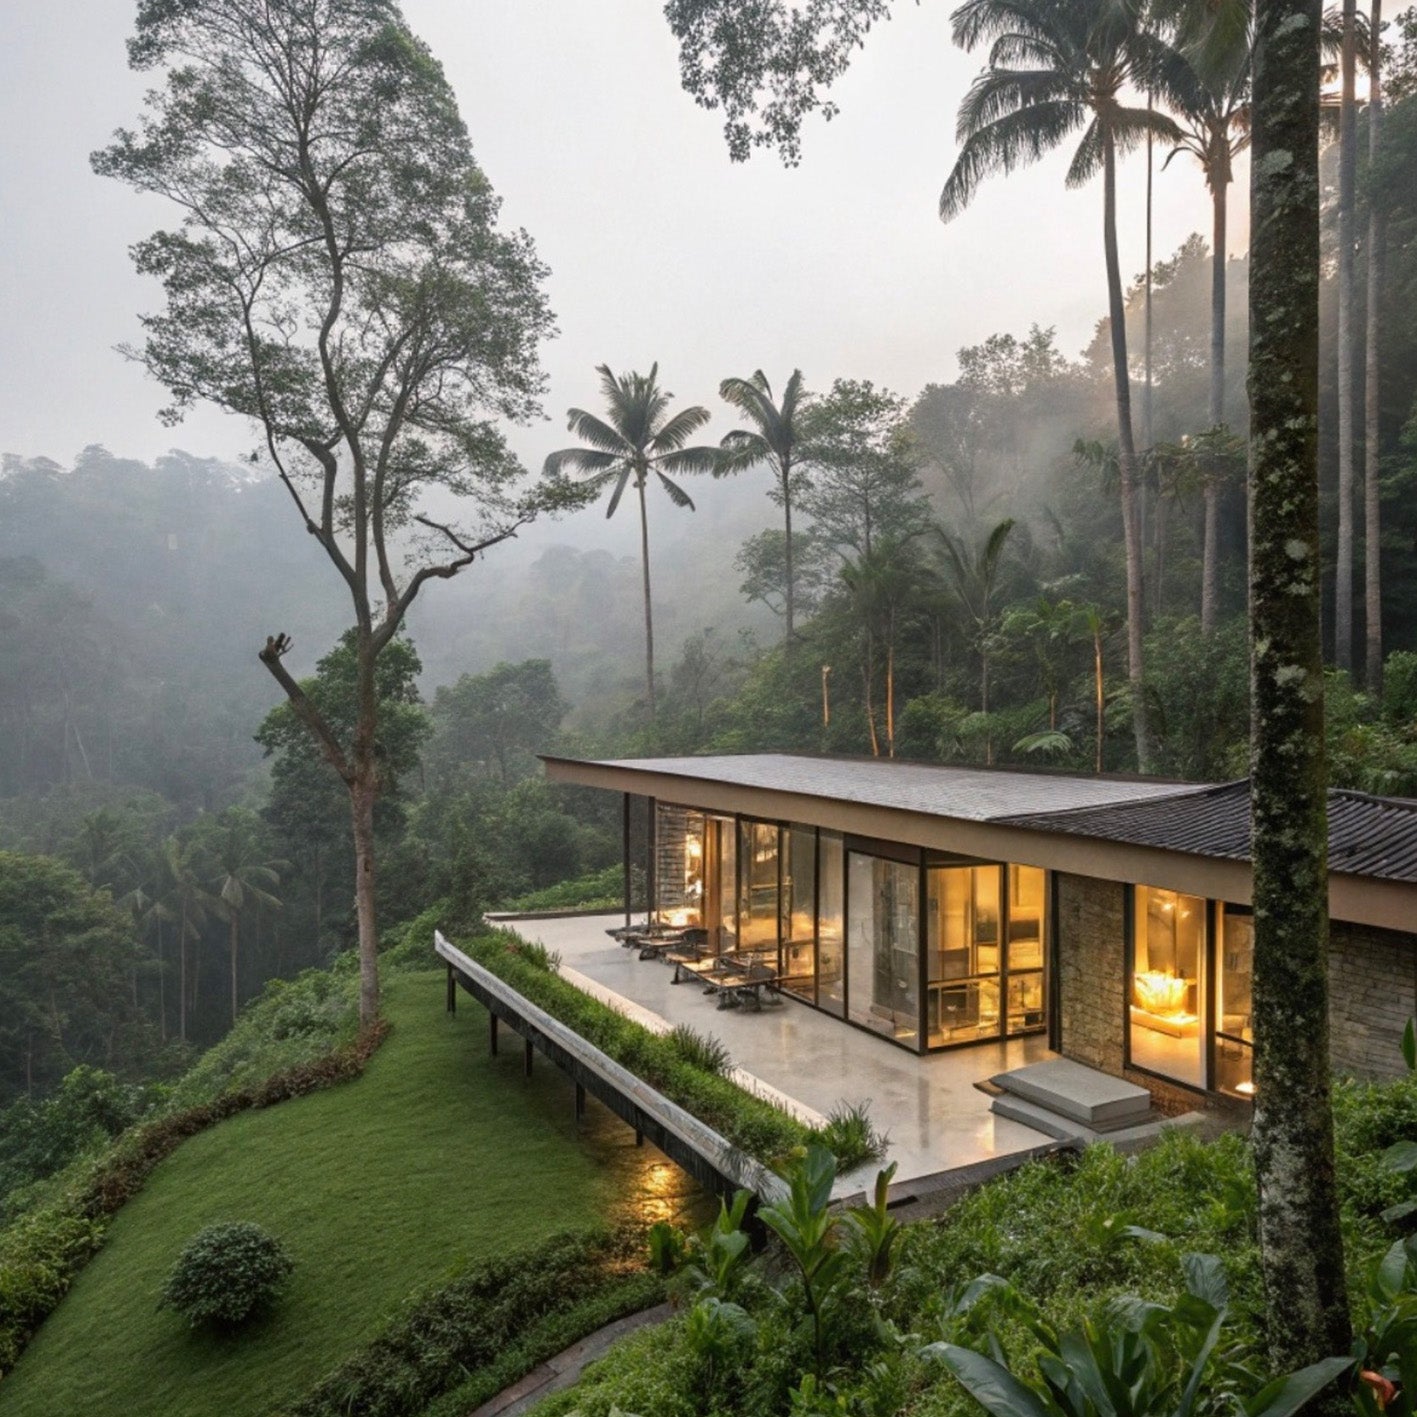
226,1273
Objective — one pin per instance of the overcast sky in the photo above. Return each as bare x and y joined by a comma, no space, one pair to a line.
659,247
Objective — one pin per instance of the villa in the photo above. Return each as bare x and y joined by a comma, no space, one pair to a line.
944,908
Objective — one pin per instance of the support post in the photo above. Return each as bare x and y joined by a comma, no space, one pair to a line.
580,1101
526,1062
639,1137
452,990
651,850
492,1034
629,904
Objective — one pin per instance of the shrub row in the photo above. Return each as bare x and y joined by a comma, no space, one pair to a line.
42,1252
489,1327
682,1073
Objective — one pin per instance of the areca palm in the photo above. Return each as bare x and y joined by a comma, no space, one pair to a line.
1057,68
772,441
639,436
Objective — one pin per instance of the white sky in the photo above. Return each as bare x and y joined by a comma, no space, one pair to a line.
660,248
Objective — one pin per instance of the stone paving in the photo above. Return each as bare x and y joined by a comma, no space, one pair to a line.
936,1117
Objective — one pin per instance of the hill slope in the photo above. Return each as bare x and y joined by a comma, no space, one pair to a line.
436,1156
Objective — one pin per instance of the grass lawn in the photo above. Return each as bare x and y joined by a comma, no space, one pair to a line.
436,1156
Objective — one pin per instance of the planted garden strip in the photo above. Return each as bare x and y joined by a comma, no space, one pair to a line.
42,1253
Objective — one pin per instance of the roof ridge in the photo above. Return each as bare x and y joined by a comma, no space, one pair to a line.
1188,791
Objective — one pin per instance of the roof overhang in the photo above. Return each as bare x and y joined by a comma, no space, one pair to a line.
1360,900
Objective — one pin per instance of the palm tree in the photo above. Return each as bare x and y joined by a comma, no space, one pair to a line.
1377,244
188,900
772,440
1057,67
242,877
1211,92
1347,202
975,573
640,437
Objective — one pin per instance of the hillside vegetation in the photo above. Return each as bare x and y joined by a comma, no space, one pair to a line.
436,1158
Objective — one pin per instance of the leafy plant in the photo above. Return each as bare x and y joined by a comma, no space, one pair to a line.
668,1248
717,1331
714,1262
1386,1352
701,1050
1140,1359
226,1274
807,1229
852,1137
873,1232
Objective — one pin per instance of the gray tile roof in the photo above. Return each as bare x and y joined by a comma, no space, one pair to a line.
968,794
1367,836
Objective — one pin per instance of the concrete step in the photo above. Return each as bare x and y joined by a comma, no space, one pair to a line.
1095,1100
1041,1119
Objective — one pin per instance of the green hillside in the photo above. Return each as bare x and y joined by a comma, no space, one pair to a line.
438,1155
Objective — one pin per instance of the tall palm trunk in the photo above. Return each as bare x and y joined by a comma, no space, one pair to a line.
1372,403
640,478
1099,687
1210,552
233,941
790,605
1126,455
182,977
1347,198
1301,1245
161,986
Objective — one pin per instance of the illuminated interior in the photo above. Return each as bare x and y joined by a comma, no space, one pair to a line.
1167,986
1234,1032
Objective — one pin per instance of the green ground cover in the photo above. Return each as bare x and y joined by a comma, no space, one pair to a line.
436,1157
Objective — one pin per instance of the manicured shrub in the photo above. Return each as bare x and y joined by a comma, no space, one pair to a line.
852,1137
226,1274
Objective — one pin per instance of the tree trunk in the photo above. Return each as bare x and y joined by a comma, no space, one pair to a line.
890,696
1347,199
1210,554
182,977
1301,1250
869,675
234,940
361,797
1101,695
1372,402
649,617
790,608
1126,455
161,987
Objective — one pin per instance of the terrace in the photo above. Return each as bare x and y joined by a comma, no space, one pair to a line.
937,1118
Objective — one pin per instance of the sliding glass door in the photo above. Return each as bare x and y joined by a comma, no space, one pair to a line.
883,945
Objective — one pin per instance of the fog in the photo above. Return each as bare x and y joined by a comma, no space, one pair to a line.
659,246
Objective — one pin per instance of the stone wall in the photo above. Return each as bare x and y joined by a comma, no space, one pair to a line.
1372,994
1373,989
1092,987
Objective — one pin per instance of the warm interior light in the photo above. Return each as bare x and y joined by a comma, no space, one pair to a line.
1245,1089
1160,993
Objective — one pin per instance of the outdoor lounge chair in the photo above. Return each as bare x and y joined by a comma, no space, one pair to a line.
655,942
691,955
739,981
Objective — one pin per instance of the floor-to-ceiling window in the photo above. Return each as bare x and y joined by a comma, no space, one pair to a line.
883,945
831,924
1024,949
679,866
1168,982
721,884
963,954
758,887
799,911
1234,1031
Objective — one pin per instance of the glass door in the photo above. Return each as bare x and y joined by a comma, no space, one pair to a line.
963,958
758,889
831,925
883,945
1234,1030
799,907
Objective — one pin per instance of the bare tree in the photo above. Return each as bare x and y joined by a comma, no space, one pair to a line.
338,277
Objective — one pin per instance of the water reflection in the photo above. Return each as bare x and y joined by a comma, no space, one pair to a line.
647,1186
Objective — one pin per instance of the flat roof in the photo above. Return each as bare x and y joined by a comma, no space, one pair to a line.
936,789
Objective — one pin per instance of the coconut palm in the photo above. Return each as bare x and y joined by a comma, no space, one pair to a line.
1059,67
974,572
772,441
1211,93
638,437
241,877
188,900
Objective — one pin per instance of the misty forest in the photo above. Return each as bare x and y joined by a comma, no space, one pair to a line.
266,720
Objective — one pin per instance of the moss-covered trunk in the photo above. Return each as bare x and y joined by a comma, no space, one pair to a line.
1300,1243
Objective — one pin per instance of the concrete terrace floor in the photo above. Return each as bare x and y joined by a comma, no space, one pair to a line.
936,1118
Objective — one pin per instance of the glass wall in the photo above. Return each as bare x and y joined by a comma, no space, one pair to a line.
721,884
831,924
679,866
799,911
1168,981
883,945
1234,1031
758,888
1025,961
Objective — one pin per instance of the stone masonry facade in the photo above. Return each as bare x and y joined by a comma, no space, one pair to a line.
1372,989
